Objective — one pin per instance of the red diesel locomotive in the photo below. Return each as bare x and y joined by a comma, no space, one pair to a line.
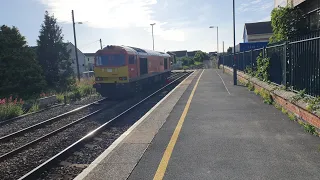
123,70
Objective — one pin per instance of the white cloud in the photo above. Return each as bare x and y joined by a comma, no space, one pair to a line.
112,14
256,5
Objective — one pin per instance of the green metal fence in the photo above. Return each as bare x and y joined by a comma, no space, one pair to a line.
295,64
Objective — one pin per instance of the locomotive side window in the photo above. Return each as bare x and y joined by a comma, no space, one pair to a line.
131,59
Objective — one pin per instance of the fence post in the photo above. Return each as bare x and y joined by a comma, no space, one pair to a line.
263,52
284,62
251,59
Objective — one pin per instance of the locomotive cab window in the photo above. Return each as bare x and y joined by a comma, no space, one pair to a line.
131,59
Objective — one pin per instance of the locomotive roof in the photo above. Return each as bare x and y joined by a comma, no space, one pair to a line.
140,51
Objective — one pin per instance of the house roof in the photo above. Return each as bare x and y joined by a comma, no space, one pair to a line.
89,54
258,28
179,53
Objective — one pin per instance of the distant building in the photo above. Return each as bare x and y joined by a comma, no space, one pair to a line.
81,59
257,32
180,54
89,62
213,53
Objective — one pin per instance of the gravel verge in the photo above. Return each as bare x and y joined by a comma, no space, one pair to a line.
32,119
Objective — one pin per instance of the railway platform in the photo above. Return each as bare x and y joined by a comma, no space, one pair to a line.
207,128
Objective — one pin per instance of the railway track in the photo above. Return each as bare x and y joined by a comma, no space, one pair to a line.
24,121
25,149
17,141
66,162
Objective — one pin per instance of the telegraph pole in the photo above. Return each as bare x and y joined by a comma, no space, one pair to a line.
234,46
75,44
100,44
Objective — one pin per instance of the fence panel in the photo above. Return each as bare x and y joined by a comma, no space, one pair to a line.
304,65
277,64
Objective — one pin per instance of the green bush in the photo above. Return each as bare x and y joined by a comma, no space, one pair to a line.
10,109
263,64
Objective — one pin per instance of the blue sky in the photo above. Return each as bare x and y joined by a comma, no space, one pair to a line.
180,24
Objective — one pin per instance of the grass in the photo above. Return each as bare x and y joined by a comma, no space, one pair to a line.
34,108
310,129
291,116
81,89
267,98
250,86
10,109
284,111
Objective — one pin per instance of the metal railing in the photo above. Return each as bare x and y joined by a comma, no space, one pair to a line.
295,64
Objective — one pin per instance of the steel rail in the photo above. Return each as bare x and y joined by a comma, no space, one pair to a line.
6,137
43,166
6,121
17,150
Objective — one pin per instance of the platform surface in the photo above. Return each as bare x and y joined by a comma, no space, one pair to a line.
229,133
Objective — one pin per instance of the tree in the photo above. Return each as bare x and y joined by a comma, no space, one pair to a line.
186,61
20,72
53,55
229,50
287,22
201,56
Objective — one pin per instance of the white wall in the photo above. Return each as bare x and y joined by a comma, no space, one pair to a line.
81,59
89,62
259,37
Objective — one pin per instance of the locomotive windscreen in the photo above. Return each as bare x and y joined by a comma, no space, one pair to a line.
111,60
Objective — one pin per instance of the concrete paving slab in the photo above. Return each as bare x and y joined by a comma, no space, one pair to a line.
231,136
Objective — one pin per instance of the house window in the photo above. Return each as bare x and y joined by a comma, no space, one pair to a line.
131,59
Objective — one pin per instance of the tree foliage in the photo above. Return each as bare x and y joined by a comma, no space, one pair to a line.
287,22
229,50
186,61
53,55
20,72
201,56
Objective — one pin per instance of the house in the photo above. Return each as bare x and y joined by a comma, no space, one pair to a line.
71,49
309,7
81,59
257,32
89,62
180,54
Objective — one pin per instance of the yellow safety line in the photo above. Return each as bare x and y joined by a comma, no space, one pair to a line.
167,154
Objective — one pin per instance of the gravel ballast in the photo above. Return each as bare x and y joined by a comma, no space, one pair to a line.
32,119
74,164
30,158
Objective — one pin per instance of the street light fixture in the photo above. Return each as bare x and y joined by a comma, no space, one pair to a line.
152,34
217,37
